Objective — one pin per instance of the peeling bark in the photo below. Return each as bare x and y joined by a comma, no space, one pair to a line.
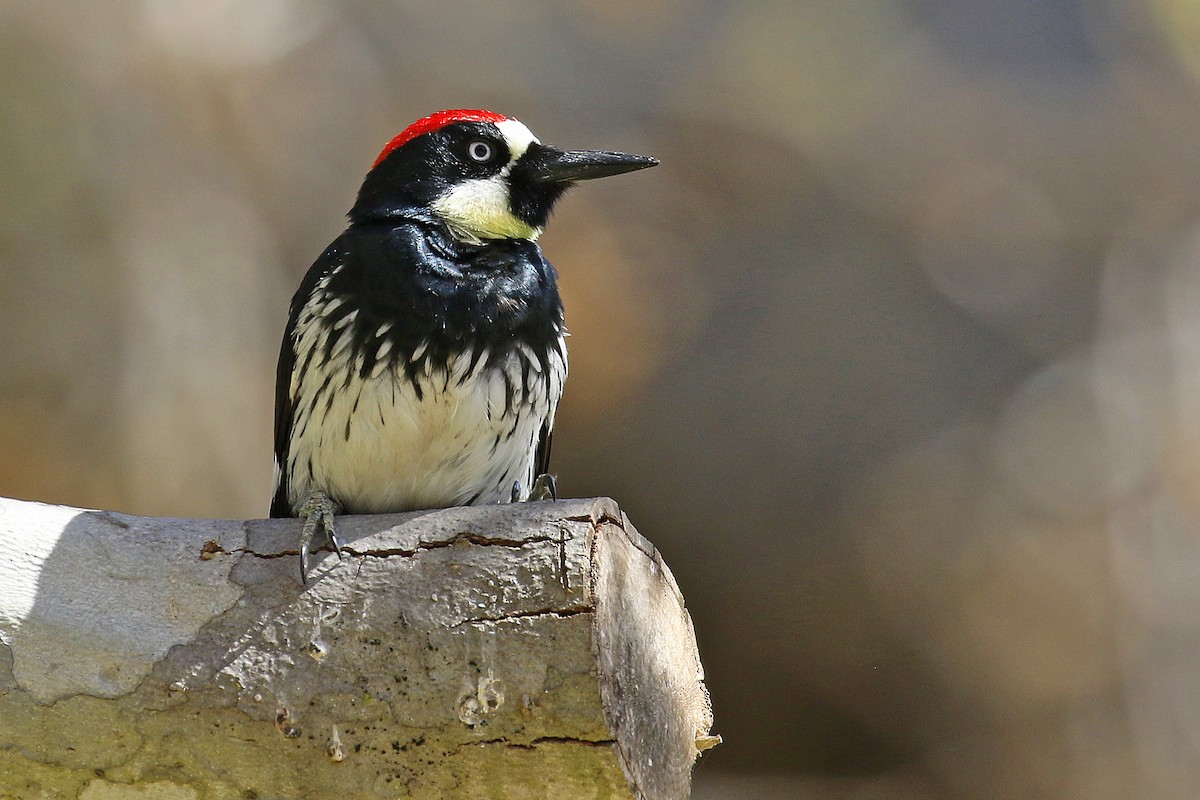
530,650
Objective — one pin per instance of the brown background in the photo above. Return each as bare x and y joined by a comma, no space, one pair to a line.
896,356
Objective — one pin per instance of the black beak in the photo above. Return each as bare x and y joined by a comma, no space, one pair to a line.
544,164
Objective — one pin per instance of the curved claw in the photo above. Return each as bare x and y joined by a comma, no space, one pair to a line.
331,535
306,537
318,512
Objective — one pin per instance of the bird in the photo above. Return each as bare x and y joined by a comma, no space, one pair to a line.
425,352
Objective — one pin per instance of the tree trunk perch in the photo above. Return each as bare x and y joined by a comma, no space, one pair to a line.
517,651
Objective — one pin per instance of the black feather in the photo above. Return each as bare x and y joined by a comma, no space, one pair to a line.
432,291
283,379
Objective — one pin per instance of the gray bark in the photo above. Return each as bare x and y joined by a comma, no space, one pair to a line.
530,650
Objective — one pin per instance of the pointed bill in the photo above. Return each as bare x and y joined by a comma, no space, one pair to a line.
544,164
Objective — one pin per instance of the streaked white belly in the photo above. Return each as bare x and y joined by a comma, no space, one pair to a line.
374,446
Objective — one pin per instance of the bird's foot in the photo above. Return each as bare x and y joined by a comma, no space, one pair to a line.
545,487
317,512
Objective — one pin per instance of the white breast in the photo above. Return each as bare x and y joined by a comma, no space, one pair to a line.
376,445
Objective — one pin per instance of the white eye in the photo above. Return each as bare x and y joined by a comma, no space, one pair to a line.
480,151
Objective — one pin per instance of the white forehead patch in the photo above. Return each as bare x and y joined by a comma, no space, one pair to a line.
516,136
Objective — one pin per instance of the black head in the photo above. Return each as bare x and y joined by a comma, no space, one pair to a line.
486,175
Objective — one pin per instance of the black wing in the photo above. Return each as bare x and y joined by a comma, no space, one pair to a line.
283,422
331,258
542,461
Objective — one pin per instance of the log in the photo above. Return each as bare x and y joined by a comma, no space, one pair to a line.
527,650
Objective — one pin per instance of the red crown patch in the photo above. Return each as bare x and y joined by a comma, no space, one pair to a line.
435,121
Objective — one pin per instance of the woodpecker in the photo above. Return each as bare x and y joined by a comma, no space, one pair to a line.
425,352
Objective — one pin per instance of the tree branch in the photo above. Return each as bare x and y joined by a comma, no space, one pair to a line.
528,650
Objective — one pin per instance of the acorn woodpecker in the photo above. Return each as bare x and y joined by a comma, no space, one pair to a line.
425,353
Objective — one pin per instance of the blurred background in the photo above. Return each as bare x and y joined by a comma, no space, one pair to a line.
896,357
